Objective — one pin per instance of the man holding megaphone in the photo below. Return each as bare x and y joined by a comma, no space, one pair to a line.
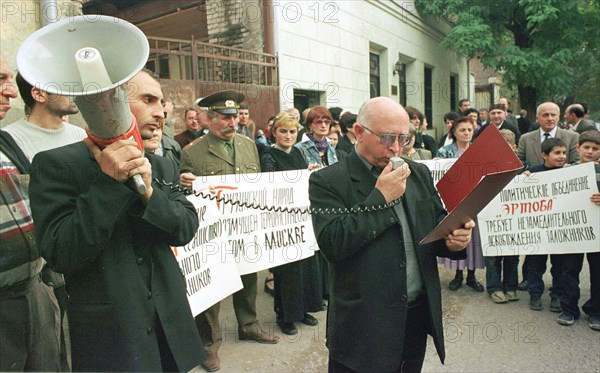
128,309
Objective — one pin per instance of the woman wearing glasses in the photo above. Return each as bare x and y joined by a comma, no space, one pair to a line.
297,284
461,132
315,146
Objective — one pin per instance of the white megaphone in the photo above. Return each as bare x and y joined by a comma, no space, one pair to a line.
90,58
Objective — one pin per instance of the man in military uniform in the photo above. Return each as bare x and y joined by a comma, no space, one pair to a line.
222,152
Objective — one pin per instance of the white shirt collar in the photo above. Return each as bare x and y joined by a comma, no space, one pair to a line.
552,133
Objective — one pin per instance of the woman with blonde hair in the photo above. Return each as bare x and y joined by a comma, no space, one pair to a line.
297,284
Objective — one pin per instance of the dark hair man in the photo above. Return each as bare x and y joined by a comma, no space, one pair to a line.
463,105
193,130
114,247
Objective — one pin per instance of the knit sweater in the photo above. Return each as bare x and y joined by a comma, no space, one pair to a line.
20,261
33,139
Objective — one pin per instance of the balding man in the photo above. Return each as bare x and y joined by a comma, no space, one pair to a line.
574,116
371,238
529,152
530,144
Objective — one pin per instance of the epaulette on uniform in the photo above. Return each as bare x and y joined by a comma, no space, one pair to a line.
244,137
196,141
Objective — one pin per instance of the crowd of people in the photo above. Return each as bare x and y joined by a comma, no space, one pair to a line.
100,254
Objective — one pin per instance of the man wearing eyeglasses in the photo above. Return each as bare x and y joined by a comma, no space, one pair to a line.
372,239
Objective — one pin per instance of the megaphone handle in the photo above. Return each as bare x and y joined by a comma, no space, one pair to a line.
138,184
134,135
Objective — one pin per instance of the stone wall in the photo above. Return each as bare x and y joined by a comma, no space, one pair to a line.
235,23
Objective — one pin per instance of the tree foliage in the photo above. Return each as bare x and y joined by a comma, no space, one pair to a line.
536,44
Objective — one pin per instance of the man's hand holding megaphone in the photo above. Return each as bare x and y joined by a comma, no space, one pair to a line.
88,65
122,160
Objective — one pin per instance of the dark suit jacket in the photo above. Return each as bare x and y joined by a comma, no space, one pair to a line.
530,147
585,125
345,144
368,301
121,274
425,141
171,149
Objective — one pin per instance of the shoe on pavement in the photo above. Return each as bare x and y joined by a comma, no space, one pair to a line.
256,334
455,283
566,318
595,322
475,285
212,363
555,305
522,285
535,303
287,327
309,320
512,296
498,297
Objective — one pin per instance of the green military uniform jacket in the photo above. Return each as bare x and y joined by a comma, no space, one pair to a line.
207,156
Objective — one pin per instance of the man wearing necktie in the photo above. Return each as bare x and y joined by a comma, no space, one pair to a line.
530,153
530,144
223,152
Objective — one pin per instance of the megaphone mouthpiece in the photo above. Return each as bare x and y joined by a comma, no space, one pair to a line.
91,67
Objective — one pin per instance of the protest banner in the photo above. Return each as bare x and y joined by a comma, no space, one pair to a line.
264,217
209,274
545,213
248,223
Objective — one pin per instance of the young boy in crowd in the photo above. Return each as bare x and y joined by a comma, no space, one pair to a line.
589,151
510,138
571,264
554,153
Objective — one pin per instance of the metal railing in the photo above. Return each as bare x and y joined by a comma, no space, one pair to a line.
198,61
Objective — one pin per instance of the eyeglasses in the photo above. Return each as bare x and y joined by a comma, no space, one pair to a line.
388,139
326,121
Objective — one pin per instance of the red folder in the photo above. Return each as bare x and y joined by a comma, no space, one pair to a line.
474,180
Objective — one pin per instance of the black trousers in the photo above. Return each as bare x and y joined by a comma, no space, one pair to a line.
569,283
592,306
415,342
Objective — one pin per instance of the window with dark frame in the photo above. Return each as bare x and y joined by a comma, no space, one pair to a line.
402,85
428,87
374,76
453,92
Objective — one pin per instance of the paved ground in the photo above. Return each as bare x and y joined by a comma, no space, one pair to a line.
480,337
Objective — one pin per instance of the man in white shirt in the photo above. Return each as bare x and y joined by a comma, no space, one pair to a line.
44,129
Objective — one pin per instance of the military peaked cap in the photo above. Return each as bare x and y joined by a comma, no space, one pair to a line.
223,102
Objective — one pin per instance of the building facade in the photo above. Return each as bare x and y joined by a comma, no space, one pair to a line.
344,52
282,54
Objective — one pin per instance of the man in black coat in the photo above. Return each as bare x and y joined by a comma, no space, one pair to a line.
128,309
497,115
368,219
